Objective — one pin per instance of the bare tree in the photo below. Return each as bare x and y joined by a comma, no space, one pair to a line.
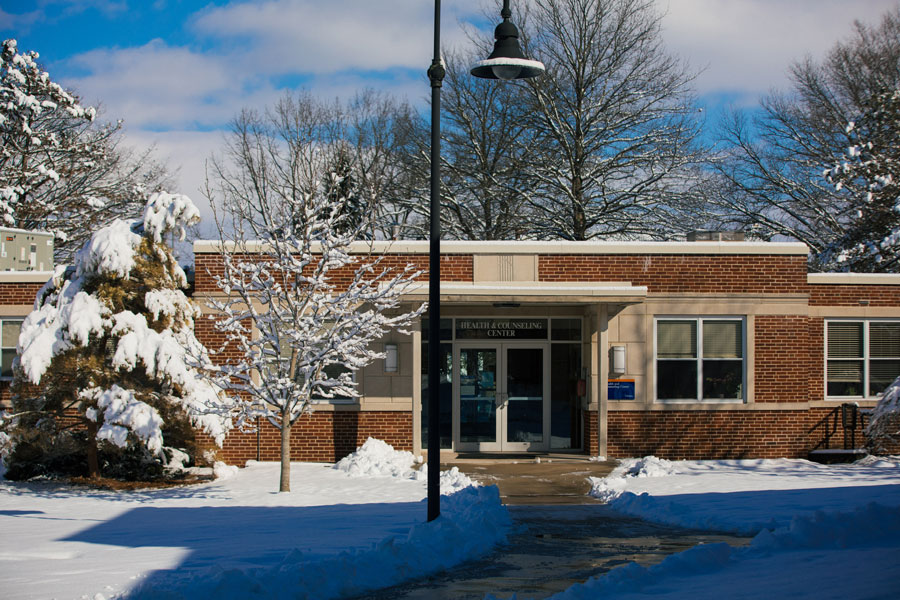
772,179
613,121
484,144
301,307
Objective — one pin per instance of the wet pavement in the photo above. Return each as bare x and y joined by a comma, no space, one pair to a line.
552,547
546,480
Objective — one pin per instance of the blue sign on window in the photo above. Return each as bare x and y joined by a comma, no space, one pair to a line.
621,389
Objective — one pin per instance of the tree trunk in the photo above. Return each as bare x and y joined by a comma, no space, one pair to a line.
285,485
93,459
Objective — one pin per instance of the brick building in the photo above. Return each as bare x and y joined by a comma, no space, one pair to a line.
703,349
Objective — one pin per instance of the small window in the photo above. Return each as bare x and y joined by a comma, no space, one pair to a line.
9,338
700,359
565,330
331,371
862,357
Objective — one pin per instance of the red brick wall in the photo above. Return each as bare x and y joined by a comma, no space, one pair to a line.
852,295
683,273
22,294
782,363
692,435
321,436
454,267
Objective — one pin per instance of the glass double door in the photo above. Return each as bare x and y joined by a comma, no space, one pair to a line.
500,393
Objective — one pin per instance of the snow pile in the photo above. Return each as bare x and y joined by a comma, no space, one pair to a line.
610,487
746,496
450,481
472,522
649,466
706,570
376,458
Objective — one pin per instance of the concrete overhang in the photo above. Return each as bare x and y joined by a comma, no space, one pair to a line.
532,293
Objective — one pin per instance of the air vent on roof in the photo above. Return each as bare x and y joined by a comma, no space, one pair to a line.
715,236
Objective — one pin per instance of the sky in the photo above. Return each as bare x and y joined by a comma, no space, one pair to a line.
177,71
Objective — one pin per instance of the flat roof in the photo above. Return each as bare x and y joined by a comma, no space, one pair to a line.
532,291
853,278
554,247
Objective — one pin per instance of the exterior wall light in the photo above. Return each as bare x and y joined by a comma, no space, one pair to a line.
618,360
391,358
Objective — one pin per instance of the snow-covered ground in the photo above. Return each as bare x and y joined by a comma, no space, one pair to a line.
821,531
335,533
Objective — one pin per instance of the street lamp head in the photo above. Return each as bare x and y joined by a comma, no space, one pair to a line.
507,60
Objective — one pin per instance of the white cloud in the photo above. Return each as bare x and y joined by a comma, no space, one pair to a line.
158,86
748,45
311,36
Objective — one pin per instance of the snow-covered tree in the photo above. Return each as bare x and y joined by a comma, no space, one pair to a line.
870,174
110,350
884,427
302,310
773,158
61,171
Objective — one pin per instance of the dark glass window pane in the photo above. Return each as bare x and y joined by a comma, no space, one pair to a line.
565,404
676,339
525,394
845,378
722,379
8,356
446,399
446,328
565,330
845,339
882,373
477,395
884,340
676,379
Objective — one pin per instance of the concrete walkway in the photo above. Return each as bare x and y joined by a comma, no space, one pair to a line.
549,479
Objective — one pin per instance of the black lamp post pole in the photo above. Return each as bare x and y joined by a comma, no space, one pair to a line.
436,76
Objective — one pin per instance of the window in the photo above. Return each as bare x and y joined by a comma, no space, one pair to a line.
332,371
700,359
862,357
9,337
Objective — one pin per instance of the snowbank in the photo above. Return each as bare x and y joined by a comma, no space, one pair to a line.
706,571
472,522
744,496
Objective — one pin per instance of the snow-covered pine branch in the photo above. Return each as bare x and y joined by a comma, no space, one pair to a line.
114,333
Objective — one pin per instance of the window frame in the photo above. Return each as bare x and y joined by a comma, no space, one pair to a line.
699,359
865,358
3,321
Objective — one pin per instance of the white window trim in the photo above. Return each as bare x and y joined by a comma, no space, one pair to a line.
699,360
865,358
3,320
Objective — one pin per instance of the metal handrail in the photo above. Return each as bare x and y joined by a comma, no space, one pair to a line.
848,417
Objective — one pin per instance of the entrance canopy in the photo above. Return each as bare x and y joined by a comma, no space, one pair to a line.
533,292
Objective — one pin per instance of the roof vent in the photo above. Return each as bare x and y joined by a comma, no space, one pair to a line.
715,236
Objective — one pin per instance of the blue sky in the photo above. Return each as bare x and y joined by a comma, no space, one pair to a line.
178,70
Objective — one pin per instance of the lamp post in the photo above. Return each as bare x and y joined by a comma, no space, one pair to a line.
506,62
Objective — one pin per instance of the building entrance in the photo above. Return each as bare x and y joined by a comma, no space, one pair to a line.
507,384
500,396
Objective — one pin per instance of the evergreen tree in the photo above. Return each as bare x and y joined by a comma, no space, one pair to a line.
108,358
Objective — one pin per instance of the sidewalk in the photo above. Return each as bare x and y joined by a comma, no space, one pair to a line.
557,479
